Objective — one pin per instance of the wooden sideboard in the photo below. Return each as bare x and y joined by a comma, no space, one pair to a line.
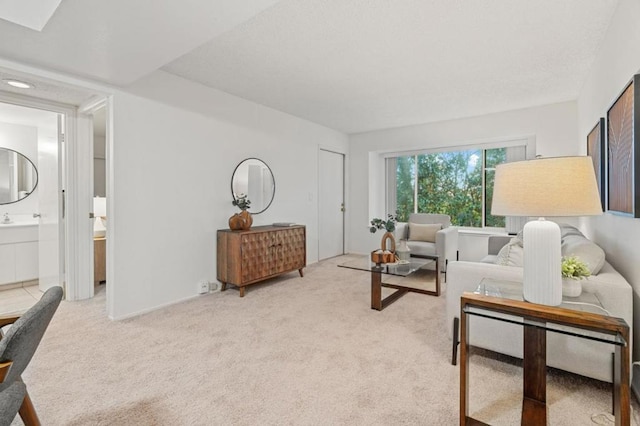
99,260
248,257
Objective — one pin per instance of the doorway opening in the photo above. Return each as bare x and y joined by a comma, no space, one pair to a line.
99,199
32,238
330,204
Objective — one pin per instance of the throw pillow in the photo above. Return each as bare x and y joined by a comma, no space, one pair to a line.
585,250
512,254
424,232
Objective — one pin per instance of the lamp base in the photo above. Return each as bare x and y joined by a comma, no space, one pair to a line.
99,229
542,281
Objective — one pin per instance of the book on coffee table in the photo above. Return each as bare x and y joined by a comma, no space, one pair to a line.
283,224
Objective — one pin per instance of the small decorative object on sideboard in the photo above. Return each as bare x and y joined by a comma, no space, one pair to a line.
241,221
573,270
385,254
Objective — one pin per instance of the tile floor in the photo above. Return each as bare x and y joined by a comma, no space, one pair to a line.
18,300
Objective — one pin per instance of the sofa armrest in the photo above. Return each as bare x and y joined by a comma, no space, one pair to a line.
465,276
447,244
613,291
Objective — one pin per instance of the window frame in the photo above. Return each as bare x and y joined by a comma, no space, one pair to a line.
527,143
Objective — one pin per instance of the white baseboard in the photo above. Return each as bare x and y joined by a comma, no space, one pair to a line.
154,308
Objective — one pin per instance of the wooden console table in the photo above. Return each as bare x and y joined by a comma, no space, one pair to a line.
248,257
99,260
537,320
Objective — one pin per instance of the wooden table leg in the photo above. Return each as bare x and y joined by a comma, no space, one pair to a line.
242,291
376,290
464,367
534,366
621,394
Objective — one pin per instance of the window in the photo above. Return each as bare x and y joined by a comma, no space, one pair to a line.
456,183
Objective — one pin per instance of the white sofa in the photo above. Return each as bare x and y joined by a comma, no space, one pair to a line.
577,355
432,235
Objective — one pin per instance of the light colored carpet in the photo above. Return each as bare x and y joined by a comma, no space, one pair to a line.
293,351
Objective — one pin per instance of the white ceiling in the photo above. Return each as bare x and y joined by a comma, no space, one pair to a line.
352,65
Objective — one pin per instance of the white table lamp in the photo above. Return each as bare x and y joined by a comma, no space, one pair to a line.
99,213
560,186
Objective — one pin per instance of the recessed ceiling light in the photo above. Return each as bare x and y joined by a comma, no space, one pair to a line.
19,84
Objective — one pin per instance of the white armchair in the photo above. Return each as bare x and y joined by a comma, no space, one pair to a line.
430,234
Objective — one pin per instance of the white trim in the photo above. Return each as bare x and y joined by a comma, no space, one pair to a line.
56,77
93,104
336,151
154,308
67,249
79,200
504,142
111,217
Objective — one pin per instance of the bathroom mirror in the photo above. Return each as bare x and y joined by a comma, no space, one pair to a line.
18,176
255,179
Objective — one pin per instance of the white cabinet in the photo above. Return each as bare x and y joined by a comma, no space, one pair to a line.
26,261
18,253
7,263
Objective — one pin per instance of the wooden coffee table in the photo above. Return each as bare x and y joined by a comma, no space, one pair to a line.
426,267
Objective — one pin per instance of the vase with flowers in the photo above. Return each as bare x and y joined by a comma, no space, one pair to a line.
386,254
573,270
243,220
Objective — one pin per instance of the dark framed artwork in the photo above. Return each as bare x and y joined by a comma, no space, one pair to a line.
596,150
623,152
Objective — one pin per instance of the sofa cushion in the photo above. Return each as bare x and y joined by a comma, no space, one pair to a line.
512,254
585,250
424,232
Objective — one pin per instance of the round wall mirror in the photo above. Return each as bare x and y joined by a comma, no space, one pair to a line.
254,178
18,176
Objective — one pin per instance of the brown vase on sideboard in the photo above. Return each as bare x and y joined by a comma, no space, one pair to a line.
241,221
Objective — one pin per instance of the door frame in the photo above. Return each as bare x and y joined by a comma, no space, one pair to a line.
75,240
335,150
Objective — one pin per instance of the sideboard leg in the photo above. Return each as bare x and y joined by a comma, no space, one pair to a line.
223,287
301,273
242,291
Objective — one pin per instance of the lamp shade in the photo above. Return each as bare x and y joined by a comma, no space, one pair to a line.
558,186
99,212
99,206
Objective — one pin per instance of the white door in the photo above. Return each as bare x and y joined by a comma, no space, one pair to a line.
51,235
331,204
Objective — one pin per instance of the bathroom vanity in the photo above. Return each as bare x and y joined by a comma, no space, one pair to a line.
18,252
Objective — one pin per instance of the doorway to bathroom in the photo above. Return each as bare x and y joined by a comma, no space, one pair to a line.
32,238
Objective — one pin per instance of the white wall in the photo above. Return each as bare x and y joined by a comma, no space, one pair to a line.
554,128
23,139
176,145
617,62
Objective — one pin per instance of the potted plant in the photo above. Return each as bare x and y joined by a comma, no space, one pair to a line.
573,270
384,255
242,220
